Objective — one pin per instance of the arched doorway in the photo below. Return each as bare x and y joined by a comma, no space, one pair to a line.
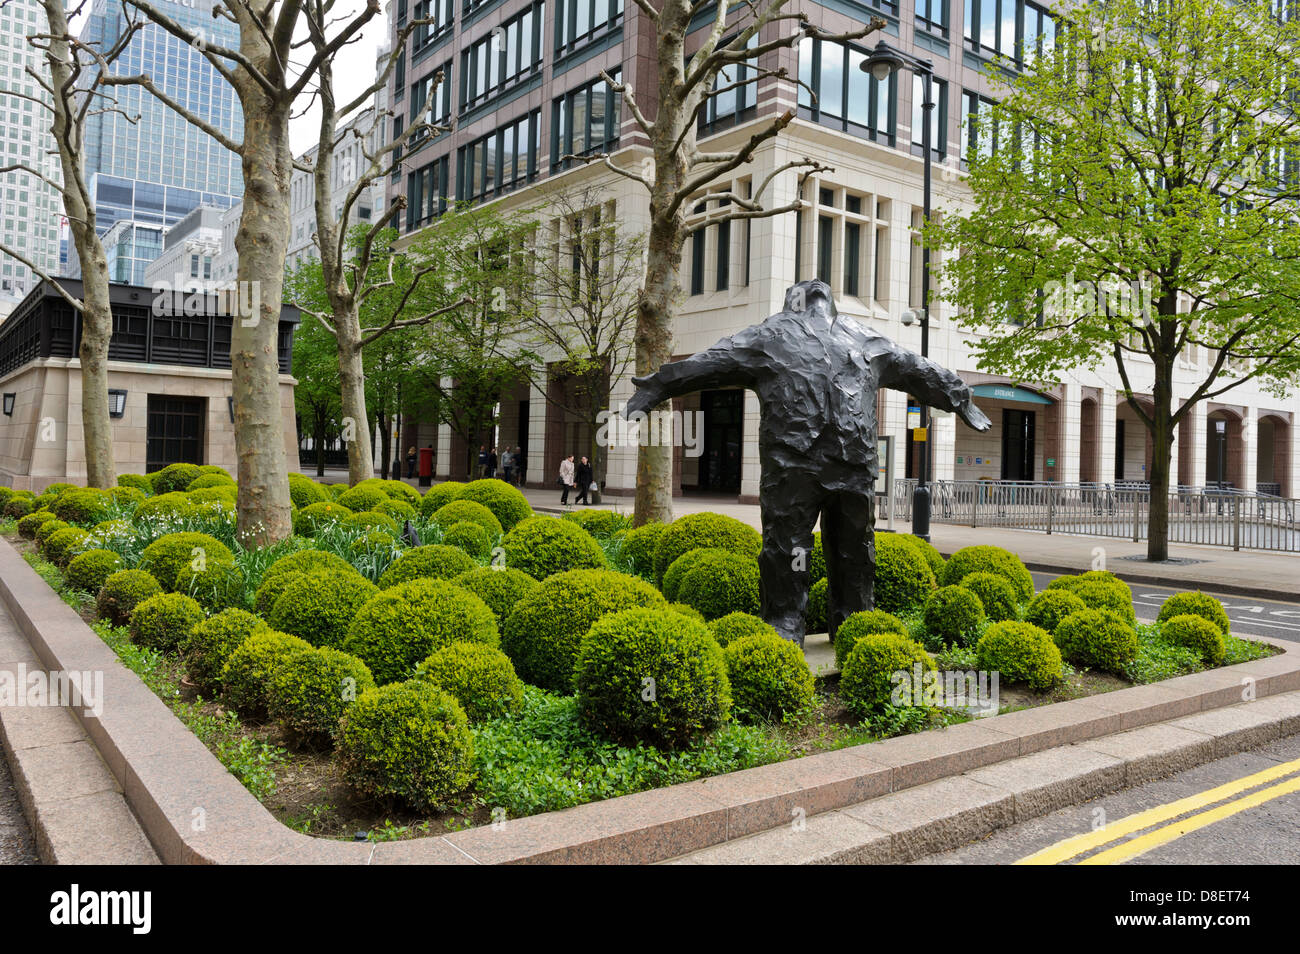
1089,441
1273,456
1223,449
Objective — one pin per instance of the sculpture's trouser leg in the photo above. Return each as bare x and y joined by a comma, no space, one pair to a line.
848,541
791,501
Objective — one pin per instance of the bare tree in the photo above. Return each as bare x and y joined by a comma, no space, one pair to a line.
677,171
267,84
76,91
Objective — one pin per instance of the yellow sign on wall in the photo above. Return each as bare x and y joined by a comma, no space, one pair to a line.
918,434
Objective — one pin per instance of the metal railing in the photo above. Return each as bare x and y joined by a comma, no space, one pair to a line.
1212,516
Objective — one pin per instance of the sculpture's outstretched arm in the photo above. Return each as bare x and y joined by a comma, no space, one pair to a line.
902,370
731,362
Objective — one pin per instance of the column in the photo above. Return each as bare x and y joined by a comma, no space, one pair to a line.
1195,436
750,466
540,471
443,463
1106,436
620,462
1071,409
943,435
1249,449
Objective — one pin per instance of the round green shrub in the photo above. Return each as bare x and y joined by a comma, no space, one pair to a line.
639,547
214,469
127,496
320,605
174,477
122,592
861,624
866,683
109,529
164,507
437,561
686,610
500,587
87,571
215,584
372,542
19,507
727,629
544,546
651,675
362,497
470,537
1198,633
398,510
167,555
62,545
276,575
462,510
927,549
165,620
304,491
953,616
481,678
989,559
1099,589
371,520
544,632
394,489
1049,607
399,627
137,481
314,516
814,615
249,666
223,499
28,525
439,496
696,530
671,583
211,642
84,506
721,583
996,595
5,494
336,491
312,688
1098,638
1196,603
210,481
48,528
769,676
407,741
507,503
601,524
1020,652
903,577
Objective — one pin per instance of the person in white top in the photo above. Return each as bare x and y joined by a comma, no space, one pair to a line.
566,479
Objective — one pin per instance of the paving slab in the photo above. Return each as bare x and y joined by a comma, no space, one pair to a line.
1155,750
832,838
938,815
1048,780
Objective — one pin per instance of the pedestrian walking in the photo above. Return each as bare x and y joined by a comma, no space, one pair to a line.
508,466
492,463
410,461
521,465
482,460
584,479
565,479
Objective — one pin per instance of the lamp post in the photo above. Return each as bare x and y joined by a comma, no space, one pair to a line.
883,61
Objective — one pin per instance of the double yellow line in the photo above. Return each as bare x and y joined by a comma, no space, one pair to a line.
1200,803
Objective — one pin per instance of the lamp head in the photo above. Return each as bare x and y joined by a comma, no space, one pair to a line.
882,62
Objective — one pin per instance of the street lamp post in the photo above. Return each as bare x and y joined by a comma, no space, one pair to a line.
881,64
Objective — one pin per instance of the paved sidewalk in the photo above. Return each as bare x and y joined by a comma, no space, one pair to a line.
16,845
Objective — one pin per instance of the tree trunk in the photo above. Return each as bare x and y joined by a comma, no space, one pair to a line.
352,378
384,434
320,444
261,242
1162,434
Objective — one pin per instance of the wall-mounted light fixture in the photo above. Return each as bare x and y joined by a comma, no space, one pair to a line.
230,406
116,402
9,403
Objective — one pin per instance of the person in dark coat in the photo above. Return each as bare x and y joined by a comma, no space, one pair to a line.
492,463
584,479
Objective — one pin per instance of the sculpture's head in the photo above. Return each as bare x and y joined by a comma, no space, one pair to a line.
811,297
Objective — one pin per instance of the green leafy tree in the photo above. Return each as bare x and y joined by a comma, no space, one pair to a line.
1135,195
316,396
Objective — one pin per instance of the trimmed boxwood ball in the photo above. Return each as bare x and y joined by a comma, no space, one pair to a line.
250,665
174,477
953,616
861,624
439,496
165,620
275,576
165,557
671,583
1020,652
1099,589
18,507
601,524
507,503
639,545
48,528
769,676
481,678
1198,604
138,481
164,507
470,537
311,689
686,610
62,545
544,546
84,506
814,614
467,510
727,629
371,520
927,550
5,494
407,741
122,592
543,634
87,571
372,542
651,675
319,606
304,491
1049,607
336,490
721,583
216,585
866,685
399,627
1098,638
314,516
28,525
127,496
399,510
500,587
1198,633
436,561
696,530
996,595
903,577
209,481
214,469
211,642
362,497
393,489
989,559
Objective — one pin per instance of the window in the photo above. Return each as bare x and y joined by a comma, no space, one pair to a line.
932,16
733,99
399,76
578,22
979,128
499,162
509,53
1014,29
426,193
842,95
724,254
852,256
443,17
697,257
938,115
441,93
584,121
397,152
825,246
